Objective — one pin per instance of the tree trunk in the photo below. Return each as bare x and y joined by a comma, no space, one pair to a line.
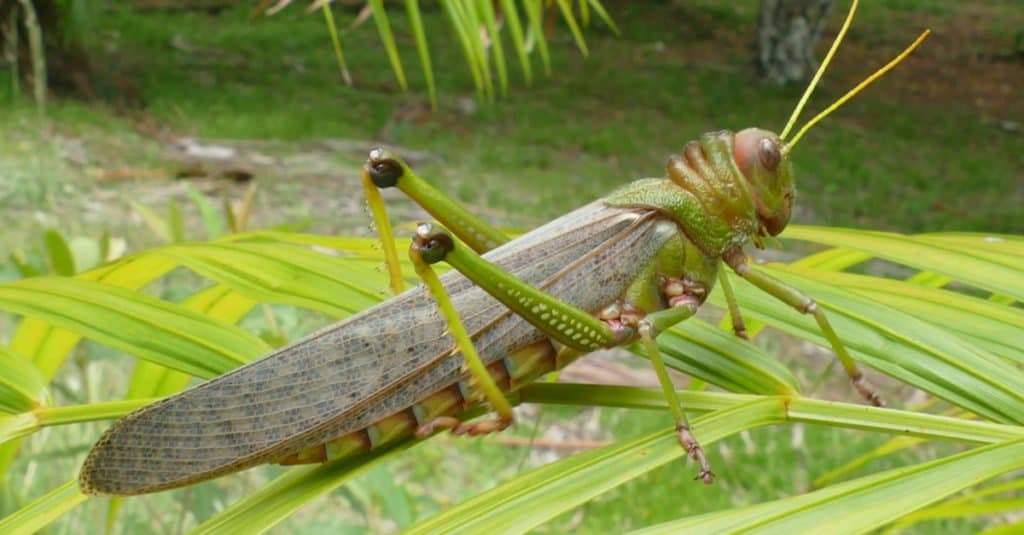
787,32
68,69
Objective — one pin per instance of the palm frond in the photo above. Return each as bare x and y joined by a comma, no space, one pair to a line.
478,26
958,346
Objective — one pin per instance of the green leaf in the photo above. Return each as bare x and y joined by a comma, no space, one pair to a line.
61,260
283,273
15,426
43,510
863,504
497,51
380,17
21,262
898,344
412,8
834,259
152,380
603,15
155,223
464,35
261,510
464,17
533,14
975,502
146,327
90,412
543,493
986,323
213,221
22,387
989,262
339,55
515,29
175,221
570,20
701,350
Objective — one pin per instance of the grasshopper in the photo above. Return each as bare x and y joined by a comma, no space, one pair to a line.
620,269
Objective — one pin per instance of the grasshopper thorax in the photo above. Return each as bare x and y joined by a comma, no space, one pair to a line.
765,166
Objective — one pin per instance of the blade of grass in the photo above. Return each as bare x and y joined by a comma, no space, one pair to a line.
22,387
863,504
412,8
459,24
135,323
380,17
497,50
43,510
570,20
515,28
339,55
533,14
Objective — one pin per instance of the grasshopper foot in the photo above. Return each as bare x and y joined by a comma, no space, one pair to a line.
693,449
483,427
866,390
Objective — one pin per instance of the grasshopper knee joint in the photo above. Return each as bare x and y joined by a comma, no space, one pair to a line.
384,171
431,243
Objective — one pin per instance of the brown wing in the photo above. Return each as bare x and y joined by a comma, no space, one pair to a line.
372,365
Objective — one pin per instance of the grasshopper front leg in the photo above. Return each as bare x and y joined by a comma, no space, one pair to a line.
576,329
739,328
805,305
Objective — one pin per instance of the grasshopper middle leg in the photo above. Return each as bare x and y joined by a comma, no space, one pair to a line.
570,326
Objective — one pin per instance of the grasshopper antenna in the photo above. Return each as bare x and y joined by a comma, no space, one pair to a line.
821,70
849,94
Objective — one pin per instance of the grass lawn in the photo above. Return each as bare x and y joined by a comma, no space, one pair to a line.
930,147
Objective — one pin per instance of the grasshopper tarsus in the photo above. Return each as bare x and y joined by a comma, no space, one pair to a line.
484,427
695,452
866,390
739,327
441,422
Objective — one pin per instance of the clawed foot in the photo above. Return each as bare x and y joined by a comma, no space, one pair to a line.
866,391
458,427
693,449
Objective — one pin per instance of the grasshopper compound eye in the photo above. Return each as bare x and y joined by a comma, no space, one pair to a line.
757,151
769,153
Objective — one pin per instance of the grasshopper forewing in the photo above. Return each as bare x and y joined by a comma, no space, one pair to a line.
619,269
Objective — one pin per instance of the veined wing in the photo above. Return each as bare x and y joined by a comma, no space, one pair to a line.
374,364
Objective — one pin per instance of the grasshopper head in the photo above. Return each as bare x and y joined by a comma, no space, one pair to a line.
760,157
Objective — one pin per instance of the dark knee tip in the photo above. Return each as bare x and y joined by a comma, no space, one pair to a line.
384,172
432,244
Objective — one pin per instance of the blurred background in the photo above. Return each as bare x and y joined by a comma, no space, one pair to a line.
135,104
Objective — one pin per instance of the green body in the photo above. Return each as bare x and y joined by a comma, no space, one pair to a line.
380,375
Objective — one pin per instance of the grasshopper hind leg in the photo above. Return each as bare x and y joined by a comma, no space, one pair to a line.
429,248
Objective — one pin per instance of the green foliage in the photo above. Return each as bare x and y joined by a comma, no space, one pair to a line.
964,366
476,27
